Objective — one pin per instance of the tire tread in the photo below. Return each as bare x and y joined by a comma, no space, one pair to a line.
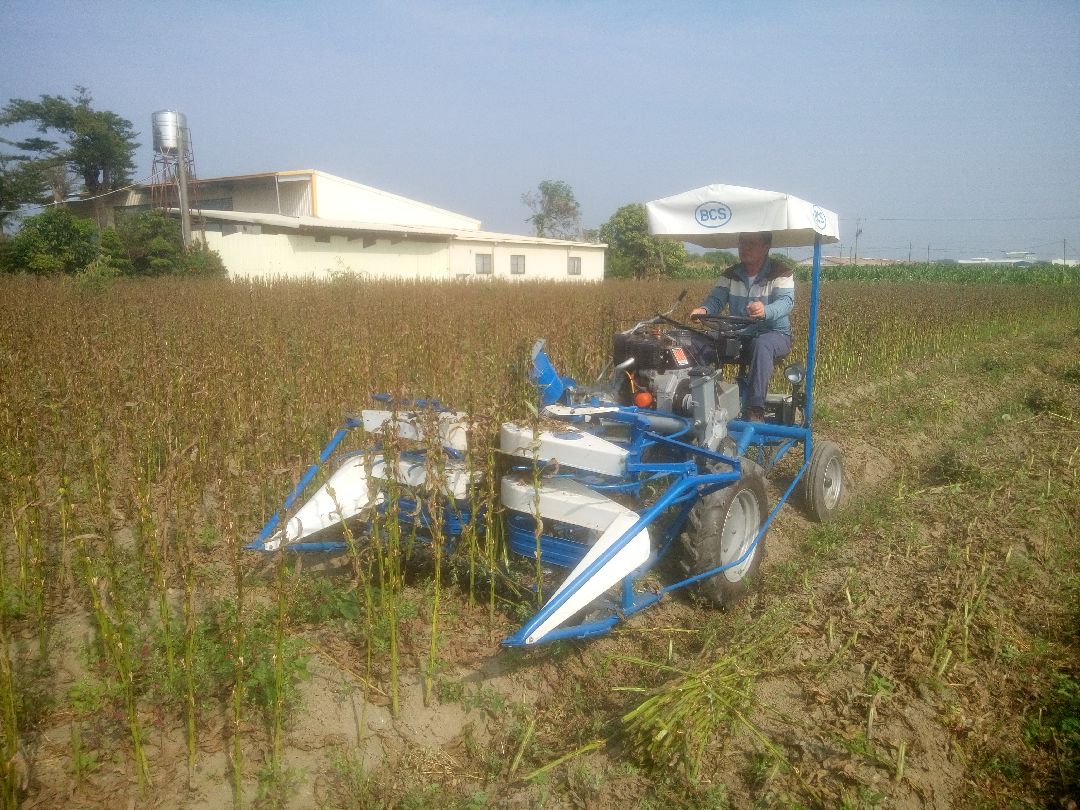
708,512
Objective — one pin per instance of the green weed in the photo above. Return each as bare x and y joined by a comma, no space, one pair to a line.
824,539
277,785
878,684
449,691
320,600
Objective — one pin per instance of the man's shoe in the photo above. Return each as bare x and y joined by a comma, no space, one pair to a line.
755,414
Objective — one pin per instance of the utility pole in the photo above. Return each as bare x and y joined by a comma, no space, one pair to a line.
182,178
928,253
909,252
858,230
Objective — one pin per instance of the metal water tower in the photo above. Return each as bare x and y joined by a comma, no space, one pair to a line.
174,167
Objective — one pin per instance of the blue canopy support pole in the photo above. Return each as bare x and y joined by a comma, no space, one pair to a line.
811,338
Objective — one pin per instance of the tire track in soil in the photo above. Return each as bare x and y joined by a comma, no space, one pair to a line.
872,460
429,739
934,776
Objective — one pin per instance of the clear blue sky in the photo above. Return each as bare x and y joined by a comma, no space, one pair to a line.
953,125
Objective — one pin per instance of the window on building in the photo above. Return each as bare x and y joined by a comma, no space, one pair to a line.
573,266
517,265
483,264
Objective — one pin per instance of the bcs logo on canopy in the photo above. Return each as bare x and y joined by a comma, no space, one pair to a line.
712,214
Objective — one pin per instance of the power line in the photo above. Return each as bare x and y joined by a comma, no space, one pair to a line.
143,182
958,219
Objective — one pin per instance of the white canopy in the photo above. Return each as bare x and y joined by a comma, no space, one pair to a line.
714,216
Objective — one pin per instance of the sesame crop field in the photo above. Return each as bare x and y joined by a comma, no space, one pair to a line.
923,650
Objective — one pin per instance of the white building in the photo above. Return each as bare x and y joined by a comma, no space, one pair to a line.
308,223
1012,258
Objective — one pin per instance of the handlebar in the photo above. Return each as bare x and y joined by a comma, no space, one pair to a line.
718,320
739,319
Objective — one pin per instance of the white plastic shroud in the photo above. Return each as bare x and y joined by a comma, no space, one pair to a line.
569,501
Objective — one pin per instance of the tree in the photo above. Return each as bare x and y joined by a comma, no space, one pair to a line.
96,146
52,242
150,244
20,183
556,212
632,252
143,244
721,259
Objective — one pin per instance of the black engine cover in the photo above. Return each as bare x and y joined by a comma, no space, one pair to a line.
648,352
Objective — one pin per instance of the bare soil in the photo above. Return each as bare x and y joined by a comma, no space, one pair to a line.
921,631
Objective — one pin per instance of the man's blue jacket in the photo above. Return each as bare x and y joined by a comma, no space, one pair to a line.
774,286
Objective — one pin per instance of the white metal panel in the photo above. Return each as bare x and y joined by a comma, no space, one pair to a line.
570,447
562,499
259,194
346,494
292,197
629,558
569,411
453,426
572,502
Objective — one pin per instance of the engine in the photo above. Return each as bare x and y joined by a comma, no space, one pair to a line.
668,373
657,351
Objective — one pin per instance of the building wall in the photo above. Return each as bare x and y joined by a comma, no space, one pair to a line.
289,255
260,195
346,207
547,262
247,252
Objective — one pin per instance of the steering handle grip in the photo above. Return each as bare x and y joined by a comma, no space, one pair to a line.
737,319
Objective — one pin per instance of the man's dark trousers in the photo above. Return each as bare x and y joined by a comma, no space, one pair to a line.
765,350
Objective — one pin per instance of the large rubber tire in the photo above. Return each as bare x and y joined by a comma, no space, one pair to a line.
719,530
823,486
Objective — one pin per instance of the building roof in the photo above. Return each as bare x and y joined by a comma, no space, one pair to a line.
470,232
295,174
347,226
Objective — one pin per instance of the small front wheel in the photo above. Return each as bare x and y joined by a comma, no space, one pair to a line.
824,482
721,530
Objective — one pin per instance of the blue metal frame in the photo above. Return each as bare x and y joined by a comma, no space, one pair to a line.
688,483
454,515
688,486
309,475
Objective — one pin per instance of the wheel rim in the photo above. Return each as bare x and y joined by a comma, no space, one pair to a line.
740,528
831,483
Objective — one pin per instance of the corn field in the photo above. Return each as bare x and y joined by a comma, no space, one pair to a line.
148,430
